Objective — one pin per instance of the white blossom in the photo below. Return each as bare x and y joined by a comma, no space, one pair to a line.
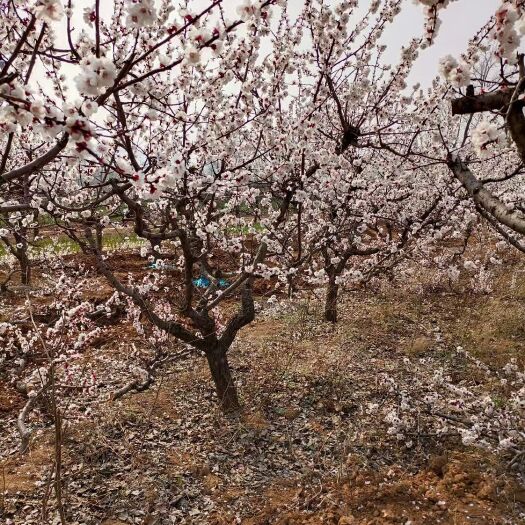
96,74
140,13
486,134
49,10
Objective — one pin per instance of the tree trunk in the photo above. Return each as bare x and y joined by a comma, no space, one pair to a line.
25,268
330,308
222,377
99,239
21,255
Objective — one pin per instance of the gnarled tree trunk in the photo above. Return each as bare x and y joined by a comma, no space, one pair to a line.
222,377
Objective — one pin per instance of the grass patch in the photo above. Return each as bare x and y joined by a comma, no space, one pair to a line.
62,244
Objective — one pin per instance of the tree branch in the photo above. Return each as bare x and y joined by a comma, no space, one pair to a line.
485,199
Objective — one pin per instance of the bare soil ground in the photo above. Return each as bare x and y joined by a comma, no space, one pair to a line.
310,447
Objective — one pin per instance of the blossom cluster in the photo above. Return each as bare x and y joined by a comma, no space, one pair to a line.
485,137
23,109
249,10
508,23
457,73
140,13
49,10
432,20
150,186
95,75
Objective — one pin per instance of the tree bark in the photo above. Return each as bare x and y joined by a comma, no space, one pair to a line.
25,268
485,199
481,103
21,255
516,123
222,377
330,309
99,239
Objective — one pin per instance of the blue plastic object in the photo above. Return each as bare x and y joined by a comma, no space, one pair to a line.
204,282
201,282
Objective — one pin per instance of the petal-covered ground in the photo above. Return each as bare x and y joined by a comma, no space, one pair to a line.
394,415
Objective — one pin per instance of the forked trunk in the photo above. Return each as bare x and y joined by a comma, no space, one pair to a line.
330,308
222,377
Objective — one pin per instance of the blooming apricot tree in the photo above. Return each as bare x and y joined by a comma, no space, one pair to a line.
484,89
184,120
239,142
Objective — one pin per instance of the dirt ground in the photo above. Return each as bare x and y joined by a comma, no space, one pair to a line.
307,448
